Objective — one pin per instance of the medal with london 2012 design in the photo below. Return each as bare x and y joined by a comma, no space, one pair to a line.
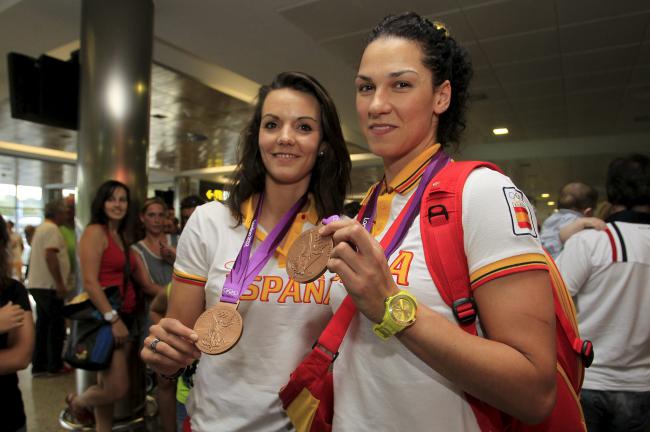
308,256
220,327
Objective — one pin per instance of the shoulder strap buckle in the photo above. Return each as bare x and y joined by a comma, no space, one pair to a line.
465,310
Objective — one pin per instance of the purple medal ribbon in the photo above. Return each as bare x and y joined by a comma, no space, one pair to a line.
406,217
246,267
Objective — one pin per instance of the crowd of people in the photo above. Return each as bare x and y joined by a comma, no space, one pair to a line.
230,259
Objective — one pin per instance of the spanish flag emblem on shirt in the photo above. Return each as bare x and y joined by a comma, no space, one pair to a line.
523,219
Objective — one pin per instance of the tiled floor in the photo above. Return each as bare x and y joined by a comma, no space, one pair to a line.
44,398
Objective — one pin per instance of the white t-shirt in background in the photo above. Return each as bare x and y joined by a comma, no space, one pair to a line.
47,236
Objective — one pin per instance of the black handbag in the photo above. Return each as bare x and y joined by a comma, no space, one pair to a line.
90,343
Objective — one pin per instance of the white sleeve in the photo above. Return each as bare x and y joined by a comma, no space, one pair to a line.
498,221
53,237
574,263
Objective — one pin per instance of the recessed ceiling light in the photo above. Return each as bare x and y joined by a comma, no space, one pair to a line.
550,203
545,195
500,131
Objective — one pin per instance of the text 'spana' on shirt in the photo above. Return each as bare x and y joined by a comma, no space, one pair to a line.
382,385
238,390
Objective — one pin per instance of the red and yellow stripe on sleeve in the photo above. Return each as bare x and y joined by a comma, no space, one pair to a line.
189,278
504,267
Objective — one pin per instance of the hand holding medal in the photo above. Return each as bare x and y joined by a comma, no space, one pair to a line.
309,253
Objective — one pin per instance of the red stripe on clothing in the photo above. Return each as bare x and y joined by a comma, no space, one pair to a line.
613,244
507,272
187,280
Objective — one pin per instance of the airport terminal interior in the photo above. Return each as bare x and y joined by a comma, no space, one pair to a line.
560,88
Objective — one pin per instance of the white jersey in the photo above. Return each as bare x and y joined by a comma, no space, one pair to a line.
47,236
381,385
608,274
238,390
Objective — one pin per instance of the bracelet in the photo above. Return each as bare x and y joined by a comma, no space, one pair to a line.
173,376
116,319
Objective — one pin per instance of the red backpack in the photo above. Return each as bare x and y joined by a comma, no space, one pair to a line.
441,229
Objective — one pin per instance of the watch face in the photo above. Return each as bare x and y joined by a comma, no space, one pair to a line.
402,309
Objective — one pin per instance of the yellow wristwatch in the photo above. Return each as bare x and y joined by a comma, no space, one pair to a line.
399,314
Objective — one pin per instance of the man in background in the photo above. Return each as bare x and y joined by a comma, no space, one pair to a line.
48,273
70,238
608,273
576,200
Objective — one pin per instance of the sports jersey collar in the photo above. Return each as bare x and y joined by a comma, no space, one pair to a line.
410,175
309,215
630,216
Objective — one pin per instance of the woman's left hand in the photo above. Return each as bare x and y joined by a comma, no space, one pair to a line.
120,332
359,261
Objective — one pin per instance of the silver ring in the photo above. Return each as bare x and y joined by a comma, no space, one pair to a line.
152,345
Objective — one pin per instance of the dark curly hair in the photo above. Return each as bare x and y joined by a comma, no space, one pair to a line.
330,177
628,181
443,56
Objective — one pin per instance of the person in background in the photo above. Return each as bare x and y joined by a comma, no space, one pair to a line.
16,247
29,235
576,203
188,205
293,170
16,339
608,273
175,390
105,262
411,92
351,209
70,238
48,275
154,274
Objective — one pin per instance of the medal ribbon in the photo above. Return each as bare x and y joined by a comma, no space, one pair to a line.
333,334
246,267
397,231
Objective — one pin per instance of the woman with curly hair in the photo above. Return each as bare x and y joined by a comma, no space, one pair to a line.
411,92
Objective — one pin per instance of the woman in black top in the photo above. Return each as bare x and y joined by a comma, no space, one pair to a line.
16,339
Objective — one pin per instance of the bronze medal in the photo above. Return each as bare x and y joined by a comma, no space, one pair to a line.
308,256
219,328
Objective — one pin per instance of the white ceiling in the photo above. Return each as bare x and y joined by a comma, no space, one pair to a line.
560,74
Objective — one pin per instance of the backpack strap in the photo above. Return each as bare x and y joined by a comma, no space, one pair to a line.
441,229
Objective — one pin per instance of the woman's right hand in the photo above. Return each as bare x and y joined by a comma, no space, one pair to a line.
175,348
11,317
